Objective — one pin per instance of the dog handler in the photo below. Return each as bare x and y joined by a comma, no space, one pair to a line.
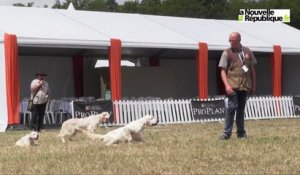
239,78
41,88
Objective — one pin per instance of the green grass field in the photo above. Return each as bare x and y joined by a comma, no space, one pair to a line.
272,147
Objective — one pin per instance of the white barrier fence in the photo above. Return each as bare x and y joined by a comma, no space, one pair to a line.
270,107
180,111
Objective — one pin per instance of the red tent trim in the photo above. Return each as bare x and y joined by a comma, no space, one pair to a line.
202,70
277,70
115,52
12,78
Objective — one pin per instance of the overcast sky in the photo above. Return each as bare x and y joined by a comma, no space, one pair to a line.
39,3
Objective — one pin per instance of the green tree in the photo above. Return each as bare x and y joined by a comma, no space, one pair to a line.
150,7
29,4
129,7
78,4
111,5
293,5
186,8
97,5
91,5
214,8
57,5
232,8
235,5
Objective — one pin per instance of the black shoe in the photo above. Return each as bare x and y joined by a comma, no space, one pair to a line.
242,136
224,137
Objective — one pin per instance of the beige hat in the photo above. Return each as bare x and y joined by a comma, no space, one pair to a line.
41,73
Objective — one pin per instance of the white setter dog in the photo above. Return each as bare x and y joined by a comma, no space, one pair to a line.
87,125
28,140
130,132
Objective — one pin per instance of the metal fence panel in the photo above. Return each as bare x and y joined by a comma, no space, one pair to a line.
180,111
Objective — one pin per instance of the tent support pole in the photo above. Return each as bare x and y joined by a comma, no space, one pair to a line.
202,70
115,53
276,70
12,78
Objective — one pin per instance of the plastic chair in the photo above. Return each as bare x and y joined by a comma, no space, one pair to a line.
50,112
61,114
26,115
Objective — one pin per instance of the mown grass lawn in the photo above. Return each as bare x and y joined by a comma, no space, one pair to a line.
272,147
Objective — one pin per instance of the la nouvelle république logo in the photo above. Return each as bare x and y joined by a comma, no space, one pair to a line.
264,15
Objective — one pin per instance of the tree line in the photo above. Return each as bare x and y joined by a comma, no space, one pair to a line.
207,9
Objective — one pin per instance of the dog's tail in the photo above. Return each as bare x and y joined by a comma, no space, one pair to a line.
95,136
62,130
60,134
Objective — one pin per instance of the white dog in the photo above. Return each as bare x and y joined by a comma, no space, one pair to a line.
86,125
28,140
130,132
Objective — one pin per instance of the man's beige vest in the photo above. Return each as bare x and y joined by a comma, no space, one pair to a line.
236,77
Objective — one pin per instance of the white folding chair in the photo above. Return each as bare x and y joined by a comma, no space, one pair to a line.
50,112
61,113
26,115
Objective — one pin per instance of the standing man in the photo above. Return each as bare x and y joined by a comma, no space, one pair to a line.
40,91
239,78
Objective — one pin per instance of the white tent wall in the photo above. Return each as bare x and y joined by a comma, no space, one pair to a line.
185,76
290,75
59,75
263,74
179,80
213,70
174,78
182,82
148,81
185,70
3,99
91,78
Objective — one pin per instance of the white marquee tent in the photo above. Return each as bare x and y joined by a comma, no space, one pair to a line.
70,31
